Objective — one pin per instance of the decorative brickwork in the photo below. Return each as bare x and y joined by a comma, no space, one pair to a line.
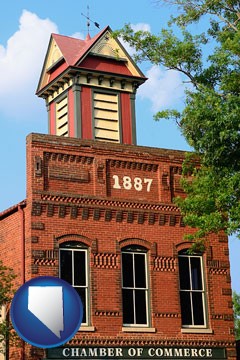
226,291
151,341
218,267
164,263
106,202
226,317
106,261
45,257
133,165
167,315
107,313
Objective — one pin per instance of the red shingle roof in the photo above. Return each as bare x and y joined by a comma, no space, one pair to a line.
74,49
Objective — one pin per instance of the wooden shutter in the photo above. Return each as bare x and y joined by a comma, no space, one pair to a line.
62,117
106,117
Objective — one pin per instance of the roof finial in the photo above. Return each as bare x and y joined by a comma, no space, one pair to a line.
89,22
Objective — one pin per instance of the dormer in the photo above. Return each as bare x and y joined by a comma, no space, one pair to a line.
89,87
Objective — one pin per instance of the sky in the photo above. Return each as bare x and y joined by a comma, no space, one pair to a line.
25,29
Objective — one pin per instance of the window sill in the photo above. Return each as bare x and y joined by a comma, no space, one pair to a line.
138,329
87,328
196,331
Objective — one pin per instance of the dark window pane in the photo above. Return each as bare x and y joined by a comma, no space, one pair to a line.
127,270
140,271
79,268
196,274
184,273
82,293
186,308
128,312
197,301
140,305
66,265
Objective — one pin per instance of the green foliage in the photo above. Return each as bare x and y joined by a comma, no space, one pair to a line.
6,284
7,277
210,122
236,309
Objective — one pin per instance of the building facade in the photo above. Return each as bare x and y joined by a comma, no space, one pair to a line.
99,213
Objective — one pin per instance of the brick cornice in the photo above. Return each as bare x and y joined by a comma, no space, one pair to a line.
148,341
91,201
116,163
61,156
124,152
109,210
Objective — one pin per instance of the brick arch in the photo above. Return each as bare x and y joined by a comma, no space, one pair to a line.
186,245
183,245
135,241
73,237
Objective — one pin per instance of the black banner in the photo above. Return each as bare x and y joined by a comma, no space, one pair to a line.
160,352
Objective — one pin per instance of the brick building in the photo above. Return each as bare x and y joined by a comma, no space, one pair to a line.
99,213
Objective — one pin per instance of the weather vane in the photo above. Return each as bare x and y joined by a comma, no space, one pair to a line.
89,20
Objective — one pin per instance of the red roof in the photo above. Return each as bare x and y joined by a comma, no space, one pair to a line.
73,53
74,49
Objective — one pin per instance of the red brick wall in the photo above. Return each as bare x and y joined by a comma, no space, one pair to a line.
11,247
71,197
75,195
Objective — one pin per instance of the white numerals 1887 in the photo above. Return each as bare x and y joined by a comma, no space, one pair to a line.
128,183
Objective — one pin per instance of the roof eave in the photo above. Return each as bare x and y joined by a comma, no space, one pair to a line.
74,70
12,209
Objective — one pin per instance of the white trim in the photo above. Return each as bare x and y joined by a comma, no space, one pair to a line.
138,329
191,291
196,331
134,288
86,287
87,328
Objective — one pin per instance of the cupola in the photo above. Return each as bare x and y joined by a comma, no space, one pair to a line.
89,87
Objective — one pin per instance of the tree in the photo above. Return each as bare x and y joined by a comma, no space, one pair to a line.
209,121
236,310
6,293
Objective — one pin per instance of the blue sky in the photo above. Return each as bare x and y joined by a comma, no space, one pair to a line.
25,28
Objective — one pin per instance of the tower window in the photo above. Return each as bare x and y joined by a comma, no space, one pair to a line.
135,290
192,290
106,117
62,117
74,269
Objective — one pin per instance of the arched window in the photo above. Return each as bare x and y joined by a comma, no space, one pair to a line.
135,289
192,290
74,268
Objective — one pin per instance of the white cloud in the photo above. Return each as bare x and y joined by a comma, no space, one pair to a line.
21,63
22,59
78,35
163,88
141,27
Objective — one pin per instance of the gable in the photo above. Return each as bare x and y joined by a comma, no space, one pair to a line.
109,47
54,58
65,52
54,55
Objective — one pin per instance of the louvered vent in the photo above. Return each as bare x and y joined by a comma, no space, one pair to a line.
106,117
62,117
